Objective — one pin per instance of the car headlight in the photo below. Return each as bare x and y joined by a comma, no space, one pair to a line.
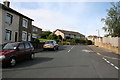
2,57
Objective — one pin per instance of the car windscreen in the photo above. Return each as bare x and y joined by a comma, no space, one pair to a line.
49,42
10,46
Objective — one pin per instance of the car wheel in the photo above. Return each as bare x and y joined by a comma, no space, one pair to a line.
54,48
57,48
32,56
12,62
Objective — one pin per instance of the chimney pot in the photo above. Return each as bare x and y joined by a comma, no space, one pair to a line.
6,3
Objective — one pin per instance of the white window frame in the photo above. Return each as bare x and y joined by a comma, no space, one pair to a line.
25,23
29,36
24,38
6,38
34,35
9,18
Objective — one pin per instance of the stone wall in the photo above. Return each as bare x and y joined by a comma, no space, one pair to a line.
110,43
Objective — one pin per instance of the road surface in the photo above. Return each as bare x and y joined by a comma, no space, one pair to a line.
70,61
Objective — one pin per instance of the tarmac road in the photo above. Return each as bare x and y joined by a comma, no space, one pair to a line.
70,61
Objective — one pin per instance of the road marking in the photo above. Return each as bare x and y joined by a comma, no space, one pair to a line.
110,63
107,56
69,50
72,47
104,59
116,67
98,53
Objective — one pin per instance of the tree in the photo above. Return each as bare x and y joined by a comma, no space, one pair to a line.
59,37
112,21
45,34
52,36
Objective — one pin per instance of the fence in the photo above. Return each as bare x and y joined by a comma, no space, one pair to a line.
111,43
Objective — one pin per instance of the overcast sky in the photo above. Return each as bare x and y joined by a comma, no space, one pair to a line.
83,17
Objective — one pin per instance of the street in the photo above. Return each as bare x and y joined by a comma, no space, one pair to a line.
70,61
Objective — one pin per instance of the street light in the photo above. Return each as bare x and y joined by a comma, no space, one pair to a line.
98,32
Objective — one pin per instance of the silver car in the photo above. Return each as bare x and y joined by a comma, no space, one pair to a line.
51,44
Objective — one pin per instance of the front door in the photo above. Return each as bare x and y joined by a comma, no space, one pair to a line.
15,36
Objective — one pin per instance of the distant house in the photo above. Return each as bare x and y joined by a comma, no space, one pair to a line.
92,37
69,34
14,26
36,32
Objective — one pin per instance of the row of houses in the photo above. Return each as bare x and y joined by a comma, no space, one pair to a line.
69,34
15,27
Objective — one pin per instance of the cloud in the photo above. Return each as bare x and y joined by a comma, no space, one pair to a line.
49,19
79,17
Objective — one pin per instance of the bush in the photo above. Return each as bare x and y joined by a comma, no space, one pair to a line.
88,42
80,41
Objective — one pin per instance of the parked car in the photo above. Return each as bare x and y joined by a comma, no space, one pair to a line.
51,44
16,51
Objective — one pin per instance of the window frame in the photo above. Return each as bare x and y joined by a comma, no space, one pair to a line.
25,22
25,36
6,35
10,16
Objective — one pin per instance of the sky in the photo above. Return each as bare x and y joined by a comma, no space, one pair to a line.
83,17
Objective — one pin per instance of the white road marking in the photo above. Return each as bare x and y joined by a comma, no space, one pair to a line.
116,67
72,47
87,50
69,50
98,53
110,63
104,59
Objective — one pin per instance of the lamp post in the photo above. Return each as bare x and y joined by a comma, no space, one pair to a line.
98,32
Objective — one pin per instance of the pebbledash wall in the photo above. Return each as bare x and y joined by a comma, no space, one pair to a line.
110,43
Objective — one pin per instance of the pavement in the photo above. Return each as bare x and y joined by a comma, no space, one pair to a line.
70,61
105,52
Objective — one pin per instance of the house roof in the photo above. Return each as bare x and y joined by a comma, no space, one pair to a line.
14,11
36,27
69,32
92,36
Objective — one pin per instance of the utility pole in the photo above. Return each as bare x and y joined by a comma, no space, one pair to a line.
98,32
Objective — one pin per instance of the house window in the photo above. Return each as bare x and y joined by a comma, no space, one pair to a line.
29,37
8,35
24,36
9,18
35,29
25,23
34,35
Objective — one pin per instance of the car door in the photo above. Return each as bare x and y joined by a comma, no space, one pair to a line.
20,52
27,50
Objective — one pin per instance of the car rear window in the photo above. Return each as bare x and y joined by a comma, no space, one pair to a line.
48,42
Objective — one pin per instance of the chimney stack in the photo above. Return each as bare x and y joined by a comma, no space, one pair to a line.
6,3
